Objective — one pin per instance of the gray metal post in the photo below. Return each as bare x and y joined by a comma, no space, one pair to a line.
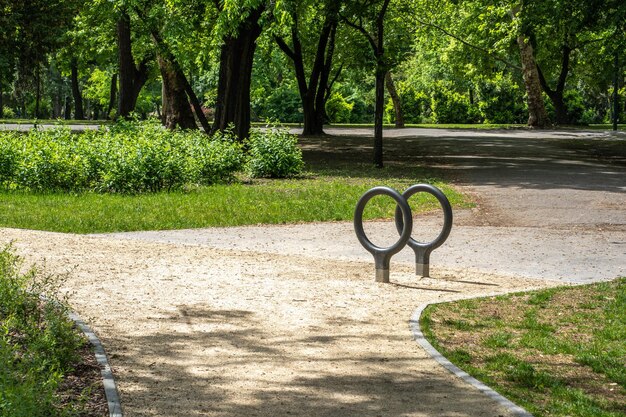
382,256
423,250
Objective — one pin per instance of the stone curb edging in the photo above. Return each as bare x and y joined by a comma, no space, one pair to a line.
110,389
421,339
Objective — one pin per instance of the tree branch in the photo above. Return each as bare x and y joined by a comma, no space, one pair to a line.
464,42
361,29
285,48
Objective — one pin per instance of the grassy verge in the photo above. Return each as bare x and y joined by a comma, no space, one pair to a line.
269,202
39,347
557,352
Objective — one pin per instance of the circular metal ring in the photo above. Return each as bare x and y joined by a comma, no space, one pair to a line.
403,210
447,216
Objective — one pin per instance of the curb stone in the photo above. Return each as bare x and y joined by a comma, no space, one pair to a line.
110,389
421,340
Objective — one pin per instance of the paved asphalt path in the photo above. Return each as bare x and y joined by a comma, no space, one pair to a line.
551,204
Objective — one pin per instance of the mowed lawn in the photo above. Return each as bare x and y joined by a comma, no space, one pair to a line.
557,352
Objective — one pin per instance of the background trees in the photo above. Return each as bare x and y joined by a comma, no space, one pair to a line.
314,61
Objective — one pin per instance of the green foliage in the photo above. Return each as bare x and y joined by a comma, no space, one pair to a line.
274,154
449,106
338,108
283,103
38,343
8,113
415,104
500,100
129,157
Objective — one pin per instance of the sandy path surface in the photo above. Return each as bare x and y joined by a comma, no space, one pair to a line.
193,330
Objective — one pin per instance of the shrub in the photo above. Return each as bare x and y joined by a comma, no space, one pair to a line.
217,160
8,158
274,154
51,160
338,108
501,101
38,343
130,157
449,106
8,113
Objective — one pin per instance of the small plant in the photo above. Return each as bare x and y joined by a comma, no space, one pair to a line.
274,154
38,343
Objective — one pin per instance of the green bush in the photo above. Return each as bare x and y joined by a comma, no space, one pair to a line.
338,108
38,343
8,158
50,160
130,157
274,154
449,106
217,160
8,113
501,100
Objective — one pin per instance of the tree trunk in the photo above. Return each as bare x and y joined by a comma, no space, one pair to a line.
378,114
78,99
68,108
615,92
537,115
381,69
556,95
132,78
167,55
112,96
395,98
313,93
126,67
38,93
176,110
235,74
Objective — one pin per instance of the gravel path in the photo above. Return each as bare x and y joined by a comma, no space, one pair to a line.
286,320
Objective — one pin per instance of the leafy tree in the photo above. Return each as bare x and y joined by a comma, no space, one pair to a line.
319,42
368,18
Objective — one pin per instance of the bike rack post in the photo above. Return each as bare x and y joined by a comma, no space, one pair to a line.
423,250
382,256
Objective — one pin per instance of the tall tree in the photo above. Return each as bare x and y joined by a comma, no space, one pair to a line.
314,90
537,114
368,18
239,35
132,76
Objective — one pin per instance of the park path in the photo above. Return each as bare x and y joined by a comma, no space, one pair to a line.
551,205
286,320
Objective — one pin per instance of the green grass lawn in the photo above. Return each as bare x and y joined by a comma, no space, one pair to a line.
263,201
556,352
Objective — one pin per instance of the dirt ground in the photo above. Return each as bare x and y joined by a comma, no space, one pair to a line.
192,330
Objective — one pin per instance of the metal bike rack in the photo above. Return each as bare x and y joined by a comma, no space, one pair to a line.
404,225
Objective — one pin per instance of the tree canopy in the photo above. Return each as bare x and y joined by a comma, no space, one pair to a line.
314,61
